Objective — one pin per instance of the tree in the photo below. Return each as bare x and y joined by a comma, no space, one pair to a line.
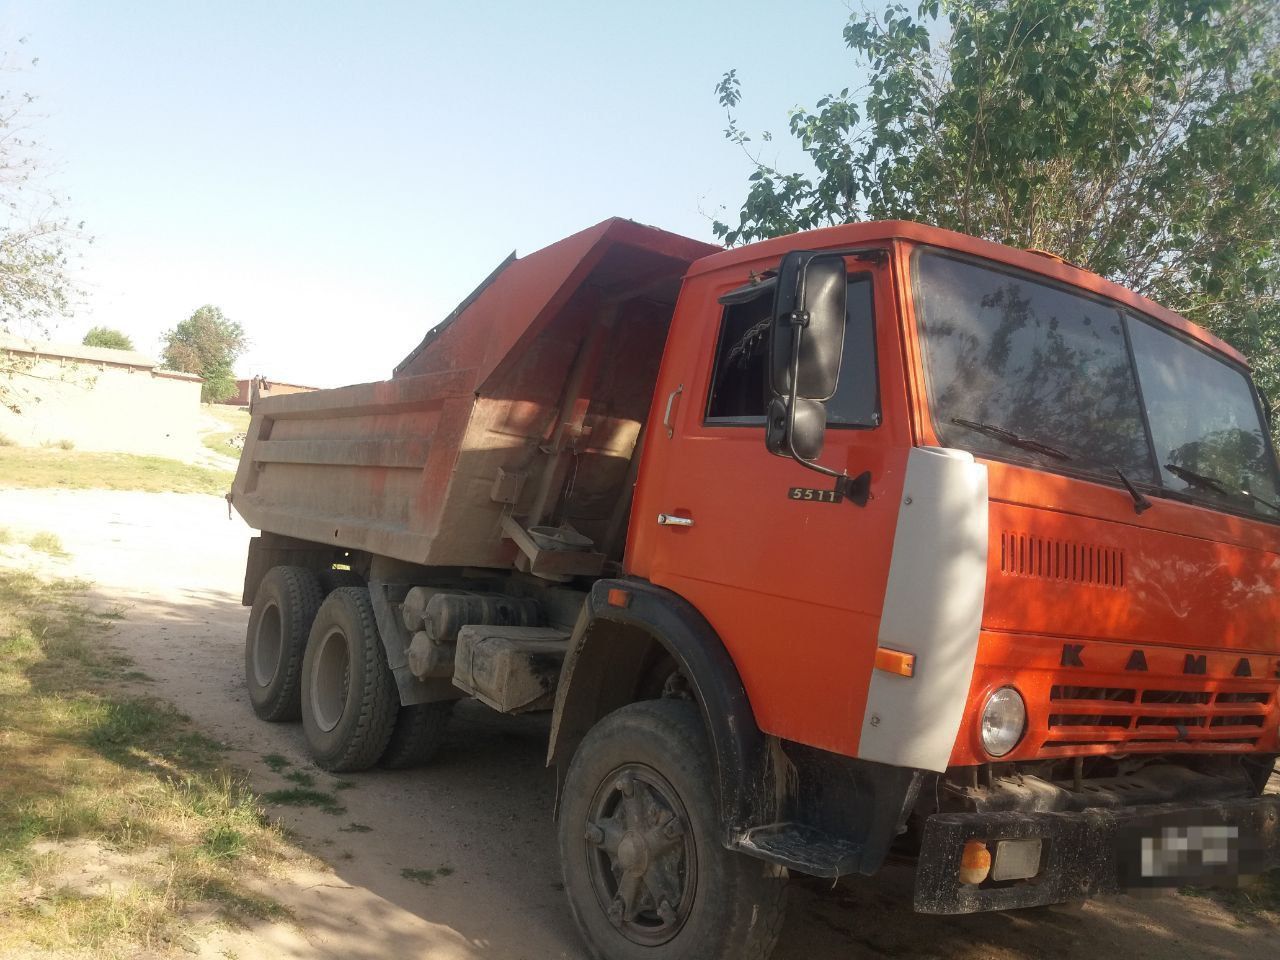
1139,139
108,338
35,235
208,344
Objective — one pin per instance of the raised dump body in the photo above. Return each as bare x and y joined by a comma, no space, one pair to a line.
524,408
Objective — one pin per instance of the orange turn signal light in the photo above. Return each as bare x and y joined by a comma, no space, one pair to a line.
617,597
975,862
895,661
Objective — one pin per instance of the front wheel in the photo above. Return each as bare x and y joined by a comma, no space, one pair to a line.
644,869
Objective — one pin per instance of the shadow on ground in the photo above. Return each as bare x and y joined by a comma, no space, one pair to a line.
483,811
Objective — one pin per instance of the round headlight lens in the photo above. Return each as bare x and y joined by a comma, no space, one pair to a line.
1004,718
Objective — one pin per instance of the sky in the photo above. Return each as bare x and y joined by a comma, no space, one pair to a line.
336,177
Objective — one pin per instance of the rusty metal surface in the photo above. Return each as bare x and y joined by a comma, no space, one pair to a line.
406,468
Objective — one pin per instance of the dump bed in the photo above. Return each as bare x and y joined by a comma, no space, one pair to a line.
523,409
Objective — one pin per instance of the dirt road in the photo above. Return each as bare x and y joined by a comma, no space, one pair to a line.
483,811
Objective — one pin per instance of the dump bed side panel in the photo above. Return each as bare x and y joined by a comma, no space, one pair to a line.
525,406
355,466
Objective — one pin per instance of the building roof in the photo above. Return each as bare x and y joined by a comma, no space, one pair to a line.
277,383
83,354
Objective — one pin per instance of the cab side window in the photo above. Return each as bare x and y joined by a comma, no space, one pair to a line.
739,384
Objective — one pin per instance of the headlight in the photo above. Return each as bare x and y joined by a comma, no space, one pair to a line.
1004,718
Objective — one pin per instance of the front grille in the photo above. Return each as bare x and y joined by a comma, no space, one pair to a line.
1142,720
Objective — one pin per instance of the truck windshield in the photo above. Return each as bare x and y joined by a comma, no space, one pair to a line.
1025,370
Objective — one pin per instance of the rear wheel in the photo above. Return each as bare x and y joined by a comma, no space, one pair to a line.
349,699
331,579
279,624
419,731
644,869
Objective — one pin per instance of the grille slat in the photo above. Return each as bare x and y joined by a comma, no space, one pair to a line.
1046,558
1106,718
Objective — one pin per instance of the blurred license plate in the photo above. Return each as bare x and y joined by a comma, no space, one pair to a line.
1153,854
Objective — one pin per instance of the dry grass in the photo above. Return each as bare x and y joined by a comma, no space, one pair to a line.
42,541
116,817
237,421
72,470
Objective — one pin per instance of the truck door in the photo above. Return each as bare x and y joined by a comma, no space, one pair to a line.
792,581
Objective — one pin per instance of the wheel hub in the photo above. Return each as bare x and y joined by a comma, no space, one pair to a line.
331,680
633,853
642,860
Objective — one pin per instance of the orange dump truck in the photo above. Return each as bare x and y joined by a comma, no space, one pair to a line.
871,537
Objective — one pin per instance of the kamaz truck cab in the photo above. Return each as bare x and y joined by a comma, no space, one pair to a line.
1020,536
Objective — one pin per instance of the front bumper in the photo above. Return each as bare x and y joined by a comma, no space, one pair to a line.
1096,851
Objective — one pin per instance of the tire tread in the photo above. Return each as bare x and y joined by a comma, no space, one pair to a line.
753,894
302,592
419,731
378,701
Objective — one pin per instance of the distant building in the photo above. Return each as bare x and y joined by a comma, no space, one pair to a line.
266,388
95,399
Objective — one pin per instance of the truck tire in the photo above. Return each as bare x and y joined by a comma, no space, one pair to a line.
331,580
349,699
670,890
419,731
279,624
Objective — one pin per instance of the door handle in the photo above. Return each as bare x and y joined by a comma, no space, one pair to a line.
666,419
667,520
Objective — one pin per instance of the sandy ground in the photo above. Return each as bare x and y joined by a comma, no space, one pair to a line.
175,563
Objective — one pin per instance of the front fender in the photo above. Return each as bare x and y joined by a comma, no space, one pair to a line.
601,673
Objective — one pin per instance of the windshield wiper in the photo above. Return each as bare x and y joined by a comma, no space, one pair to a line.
1201,480
1140,503
1204,481
1009,437
1257,499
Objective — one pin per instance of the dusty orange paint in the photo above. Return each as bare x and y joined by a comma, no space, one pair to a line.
796,595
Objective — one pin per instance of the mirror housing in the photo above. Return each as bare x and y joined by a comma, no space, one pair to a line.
806,344
810,295
806,430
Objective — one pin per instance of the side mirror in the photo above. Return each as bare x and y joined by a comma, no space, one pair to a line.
806,343
806,429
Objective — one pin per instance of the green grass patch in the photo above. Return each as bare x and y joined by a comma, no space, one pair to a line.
236,420
221,443
275,761
300,778
304,797
43,541
356,828
47,543
345,784
90,774
424,876
80,470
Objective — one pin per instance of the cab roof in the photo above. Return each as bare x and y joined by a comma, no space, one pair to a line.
909,232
